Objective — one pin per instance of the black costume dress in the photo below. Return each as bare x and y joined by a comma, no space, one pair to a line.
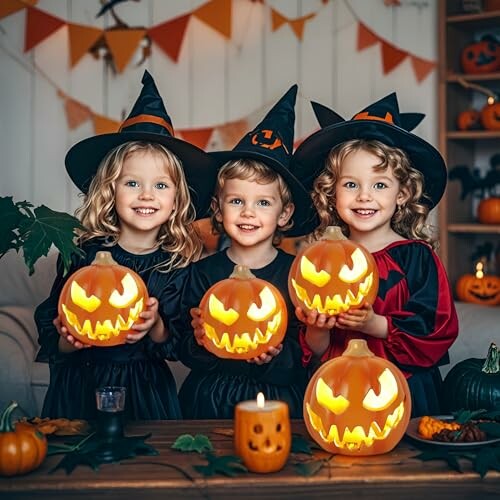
140,367
415,297
215,385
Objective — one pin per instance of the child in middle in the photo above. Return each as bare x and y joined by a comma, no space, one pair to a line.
254,202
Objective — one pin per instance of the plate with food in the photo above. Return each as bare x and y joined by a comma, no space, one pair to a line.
444,431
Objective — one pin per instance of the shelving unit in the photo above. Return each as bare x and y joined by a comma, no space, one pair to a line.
459,231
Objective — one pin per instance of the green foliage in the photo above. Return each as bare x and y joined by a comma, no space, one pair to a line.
227,465
35,230
199,443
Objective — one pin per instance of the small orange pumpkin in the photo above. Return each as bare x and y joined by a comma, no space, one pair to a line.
488,210
468,119
22,447
333,275
243,316
357,403
490,116
100,303
479,289
209,238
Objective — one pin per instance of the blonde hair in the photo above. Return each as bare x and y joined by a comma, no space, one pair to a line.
98,214
409,220
250,170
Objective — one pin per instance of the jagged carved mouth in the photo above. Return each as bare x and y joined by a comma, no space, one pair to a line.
103,330
353,439
241,343
336,304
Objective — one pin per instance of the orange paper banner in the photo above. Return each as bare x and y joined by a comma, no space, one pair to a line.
104,125
421,67
366,38
217,14
170,35
199,137
277,20
8,7
297,25
81,38
39,25
391,56
76,113
122,44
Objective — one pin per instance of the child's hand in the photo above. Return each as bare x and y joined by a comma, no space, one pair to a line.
150,316
66,336
313,318
266,357
356,319
197,324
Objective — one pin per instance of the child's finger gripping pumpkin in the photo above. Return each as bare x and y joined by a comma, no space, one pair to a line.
100,303
243,316
333,275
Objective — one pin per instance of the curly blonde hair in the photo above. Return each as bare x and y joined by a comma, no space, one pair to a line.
250,170
409,220
98,214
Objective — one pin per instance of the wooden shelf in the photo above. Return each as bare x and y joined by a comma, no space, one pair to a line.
473,134
455,77
475,21
474,228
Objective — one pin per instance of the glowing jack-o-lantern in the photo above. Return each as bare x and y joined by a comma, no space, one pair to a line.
100,303
333,275
357,403
243,316
479,288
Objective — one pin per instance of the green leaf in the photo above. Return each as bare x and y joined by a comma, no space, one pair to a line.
464,416
199,443
12,216
309,468
487,459
227,465
445,455
301,445
491,428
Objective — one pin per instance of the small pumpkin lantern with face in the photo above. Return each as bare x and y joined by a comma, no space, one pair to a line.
333,275
243,316
100,303
490,114
357,403
481,57
479,288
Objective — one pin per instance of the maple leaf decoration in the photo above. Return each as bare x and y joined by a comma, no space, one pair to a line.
35,230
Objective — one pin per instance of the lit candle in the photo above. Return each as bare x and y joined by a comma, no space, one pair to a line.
262,434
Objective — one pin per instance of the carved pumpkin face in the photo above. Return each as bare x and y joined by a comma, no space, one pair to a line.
481,57
333,275
243,316
100,303
357,403
490,116
479,289
468,119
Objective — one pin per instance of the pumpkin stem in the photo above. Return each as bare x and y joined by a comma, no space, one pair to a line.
358,348
333,233
492,361
5,420
103,258
242,273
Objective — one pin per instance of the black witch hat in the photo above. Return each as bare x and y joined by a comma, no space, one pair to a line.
271,143
148,121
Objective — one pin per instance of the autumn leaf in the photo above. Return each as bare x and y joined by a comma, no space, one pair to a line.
301,445
450,458
199,443
487,459
228,465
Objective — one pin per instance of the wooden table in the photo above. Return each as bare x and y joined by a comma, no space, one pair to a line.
394,475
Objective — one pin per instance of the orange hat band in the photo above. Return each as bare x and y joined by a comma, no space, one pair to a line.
365,115
147,119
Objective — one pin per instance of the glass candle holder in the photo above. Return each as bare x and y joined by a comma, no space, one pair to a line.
110,402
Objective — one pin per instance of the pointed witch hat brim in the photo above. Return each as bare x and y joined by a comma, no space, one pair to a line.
271,143
380,121
147,122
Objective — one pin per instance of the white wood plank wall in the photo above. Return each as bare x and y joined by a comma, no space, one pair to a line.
213,82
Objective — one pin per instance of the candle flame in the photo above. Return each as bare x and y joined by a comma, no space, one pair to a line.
479,270
260,400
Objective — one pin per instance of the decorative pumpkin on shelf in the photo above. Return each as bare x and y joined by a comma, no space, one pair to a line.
333,275
468,119
490,114
100,303
474,384
481,57
357,403
243,316
488,210
479,288
22,446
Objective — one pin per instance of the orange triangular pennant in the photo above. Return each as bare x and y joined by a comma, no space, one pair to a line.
217,14
199,137
76,113
104,125
39,25
122,44
421,67
366,38
231,133
81,38
8,7
297,25
170,35
277,20
391,56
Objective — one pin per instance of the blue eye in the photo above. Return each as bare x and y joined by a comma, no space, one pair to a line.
264,203
350,185
132,183
235,201
161,185
380,185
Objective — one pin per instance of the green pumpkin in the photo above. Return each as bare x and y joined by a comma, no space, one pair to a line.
474,384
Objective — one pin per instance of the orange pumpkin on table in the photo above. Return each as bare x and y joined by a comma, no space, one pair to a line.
100,303
333,275
357,403
243,316
479,288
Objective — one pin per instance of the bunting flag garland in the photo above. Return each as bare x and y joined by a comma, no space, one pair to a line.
210,13
39,25
297,25
104,125
81,39
122,43
170,35
8,7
